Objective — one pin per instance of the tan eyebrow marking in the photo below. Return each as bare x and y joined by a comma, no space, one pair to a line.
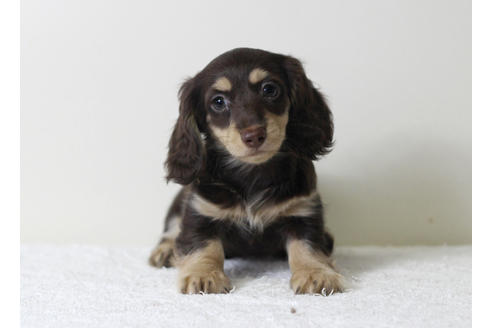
222,84
256,75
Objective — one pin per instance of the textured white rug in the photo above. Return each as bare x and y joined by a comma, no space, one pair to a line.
80,286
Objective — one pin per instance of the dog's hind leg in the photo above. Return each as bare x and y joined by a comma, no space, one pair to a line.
163,253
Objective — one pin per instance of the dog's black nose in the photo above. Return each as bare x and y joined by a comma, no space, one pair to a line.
253,137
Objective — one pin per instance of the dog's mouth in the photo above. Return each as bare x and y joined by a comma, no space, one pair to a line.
255,152
250,148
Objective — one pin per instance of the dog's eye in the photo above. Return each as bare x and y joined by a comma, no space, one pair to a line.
270,90
218,103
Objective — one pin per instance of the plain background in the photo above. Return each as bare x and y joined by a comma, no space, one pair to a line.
98,102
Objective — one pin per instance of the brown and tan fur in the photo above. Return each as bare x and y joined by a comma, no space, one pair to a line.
231,139
203,270
256,217
222,84
312,271
250,125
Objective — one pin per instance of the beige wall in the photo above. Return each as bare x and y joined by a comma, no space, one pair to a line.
99,82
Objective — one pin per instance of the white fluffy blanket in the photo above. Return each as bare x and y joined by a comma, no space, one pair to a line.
81,286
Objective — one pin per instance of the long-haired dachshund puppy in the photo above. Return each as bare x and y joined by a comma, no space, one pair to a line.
250,124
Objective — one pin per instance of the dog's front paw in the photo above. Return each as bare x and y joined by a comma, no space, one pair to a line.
316,281
163,254
215,282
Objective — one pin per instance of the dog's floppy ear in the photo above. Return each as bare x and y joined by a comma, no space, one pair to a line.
186,150
310,127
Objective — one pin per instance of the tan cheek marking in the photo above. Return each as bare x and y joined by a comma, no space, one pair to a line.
312,271
231,139
276,128
256,75
222,84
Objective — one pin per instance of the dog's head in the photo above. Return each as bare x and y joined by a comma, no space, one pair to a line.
252,104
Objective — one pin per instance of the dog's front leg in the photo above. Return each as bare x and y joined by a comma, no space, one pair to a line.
200,260
312,270
203,270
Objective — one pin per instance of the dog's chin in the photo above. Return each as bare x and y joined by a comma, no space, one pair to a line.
256,157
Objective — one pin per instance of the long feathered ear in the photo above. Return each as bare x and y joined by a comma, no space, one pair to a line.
310,127
186,150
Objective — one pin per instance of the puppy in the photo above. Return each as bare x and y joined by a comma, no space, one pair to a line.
250,124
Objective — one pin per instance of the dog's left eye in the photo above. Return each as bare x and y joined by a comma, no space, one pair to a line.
270,90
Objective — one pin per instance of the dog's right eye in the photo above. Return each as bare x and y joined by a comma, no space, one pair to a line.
218,103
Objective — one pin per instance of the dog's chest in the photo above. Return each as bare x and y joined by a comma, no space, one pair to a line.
259,212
